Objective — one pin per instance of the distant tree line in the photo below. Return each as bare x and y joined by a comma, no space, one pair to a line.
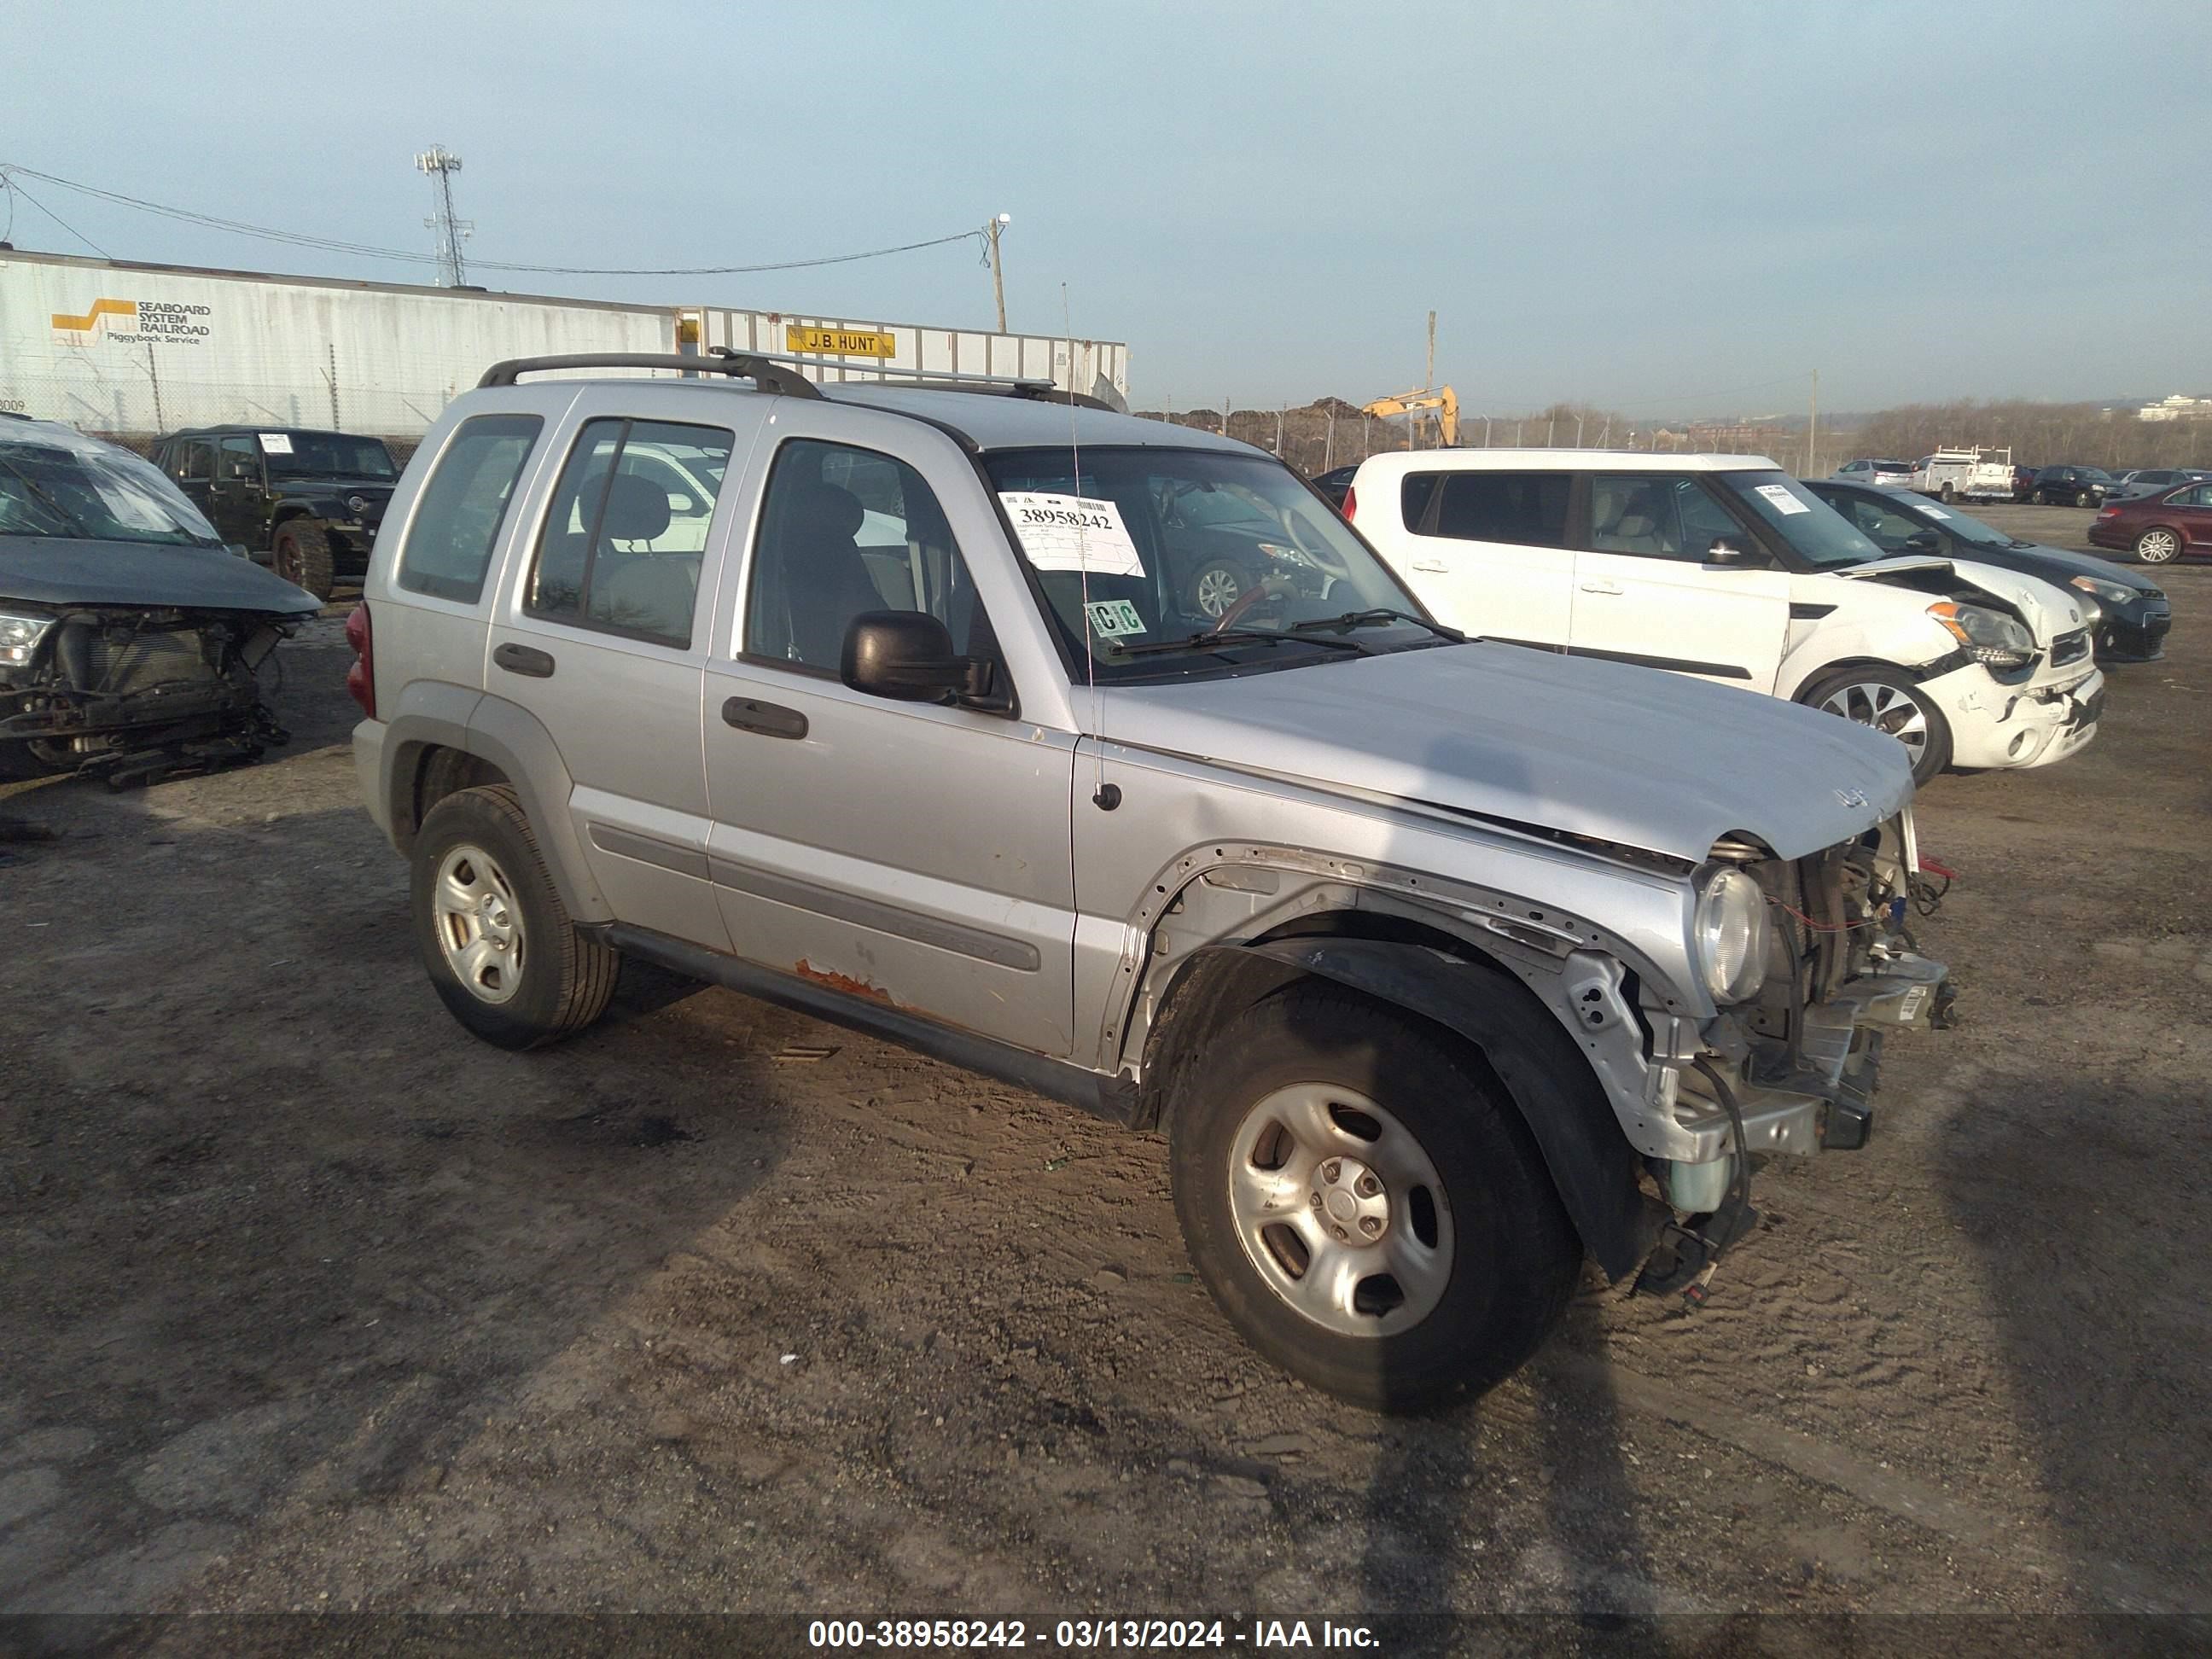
2038,435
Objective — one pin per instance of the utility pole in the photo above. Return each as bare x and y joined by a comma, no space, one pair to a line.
1812,430
998,274
441,164
1428,375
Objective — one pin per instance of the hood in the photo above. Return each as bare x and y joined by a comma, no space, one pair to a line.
2048,611
377,492
2060,565
1627,755
55,571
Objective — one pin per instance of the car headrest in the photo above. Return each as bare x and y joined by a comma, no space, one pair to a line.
825,510
636,509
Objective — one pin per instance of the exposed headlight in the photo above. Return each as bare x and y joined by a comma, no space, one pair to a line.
356,505
2103,592
1990,636
20,636
1728,933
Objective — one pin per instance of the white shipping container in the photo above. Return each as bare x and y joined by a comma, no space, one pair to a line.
131,351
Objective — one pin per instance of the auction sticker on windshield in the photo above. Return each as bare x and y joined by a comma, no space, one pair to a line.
275,443
1782,500
1072,533
1112,619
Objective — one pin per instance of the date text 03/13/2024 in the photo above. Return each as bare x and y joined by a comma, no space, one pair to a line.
1087,1634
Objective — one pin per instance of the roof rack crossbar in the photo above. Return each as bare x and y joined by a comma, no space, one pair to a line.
926,380
768,374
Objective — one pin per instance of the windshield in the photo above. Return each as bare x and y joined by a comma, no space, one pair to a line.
1152,546
326,455
1966,529
1815,532
1890,466
80,489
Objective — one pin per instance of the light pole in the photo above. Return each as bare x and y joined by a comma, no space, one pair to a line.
997,276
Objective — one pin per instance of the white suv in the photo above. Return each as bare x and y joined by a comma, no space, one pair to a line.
1725,567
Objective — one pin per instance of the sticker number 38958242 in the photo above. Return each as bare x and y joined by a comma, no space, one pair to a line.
1072,533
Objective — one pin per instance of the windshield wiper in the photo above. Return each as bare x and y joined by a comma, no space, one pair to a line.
1217,636
1352,619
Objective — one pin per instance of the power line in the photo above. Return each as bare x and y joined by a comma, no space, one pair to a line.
366,250
15,190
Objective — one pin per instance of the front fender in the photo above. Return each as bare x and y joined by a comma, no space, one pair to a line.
1549,1081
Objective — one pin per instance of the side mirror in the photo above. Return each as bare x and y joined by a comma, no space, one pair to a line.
1725,554
908,656
1924,541
238,549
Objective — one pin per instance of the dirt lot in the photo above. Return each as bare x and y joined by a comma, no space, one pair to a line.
317,1302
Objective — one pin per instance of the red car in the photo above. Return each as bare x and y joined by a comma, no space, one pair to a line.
2159,527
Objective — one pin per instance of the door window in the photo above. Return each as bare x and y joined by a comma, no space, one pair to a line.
846,530
622,542
1885,528
2200,496
1530,508
1663,515
239,460
457,522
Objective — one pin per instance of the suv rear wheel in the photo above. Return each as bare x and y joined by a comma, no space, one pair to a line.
498,944
1365,1207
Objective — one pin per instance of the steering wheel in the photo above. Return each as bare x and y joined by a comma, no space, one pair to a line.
1249,599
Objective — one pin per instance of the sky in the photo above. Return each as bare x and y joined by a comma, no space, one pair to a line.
1661,209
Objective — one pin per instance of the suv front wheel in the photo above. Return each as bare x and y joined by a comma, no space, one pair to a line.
1365,1208
498,944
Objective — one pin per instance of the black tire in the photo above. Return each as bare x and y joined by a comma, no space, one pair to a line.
566,977
302,556
1514,1253
1214,587
18,761
1949,495
1934,753
2085,498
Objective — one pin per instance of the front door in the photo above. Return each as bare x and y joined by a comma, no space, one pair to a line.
1645,593
236,498
603,640
1488,552
913,852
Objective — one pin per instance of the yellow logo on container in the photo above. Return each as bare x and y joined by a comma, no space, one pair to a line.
839,342
90,320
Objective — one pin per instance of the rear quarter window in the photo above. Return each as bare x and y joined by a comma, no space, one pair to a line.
1526,508
457,521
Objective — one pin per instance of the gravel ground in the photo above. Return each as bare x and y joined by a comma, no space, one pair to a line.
317,1302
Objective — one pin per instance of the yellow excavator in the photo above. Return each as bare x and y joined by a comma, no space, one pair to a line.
1443,399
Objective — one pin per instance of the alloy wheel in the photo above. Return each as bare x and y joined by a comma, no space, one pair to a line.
1218,588
1886,708
2157,546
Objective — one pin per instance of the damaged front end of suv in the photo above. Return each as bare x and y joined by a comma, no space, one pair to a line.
131,642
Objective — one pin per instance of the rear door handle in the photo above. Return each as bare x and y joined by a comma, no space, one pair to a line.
1432,567
1601,587
524,659
771,720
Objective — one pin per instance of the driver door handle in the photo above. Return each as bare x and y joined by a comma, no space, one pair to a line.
1601,585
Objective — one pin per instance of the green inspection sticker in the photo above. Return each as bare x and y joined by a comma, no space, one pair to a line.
1111,618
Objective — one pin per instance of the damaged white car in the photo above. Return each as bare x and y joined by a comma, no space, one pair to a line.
130,638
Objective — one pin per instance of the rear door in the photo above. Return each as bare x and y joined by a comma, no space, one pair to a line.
190,462
235,497
918,854
1643,591
1487,551
2191,511
601,634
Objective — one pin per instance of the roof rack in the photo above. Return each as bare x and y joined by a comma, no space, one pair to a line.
765,373
922,380
781,374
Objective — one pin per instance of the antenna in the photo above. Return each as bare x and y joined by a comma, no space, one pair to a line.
441,164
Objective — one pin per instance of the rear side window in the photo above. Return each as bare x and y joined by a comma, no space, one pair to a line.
1528,509
457,522
626,534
